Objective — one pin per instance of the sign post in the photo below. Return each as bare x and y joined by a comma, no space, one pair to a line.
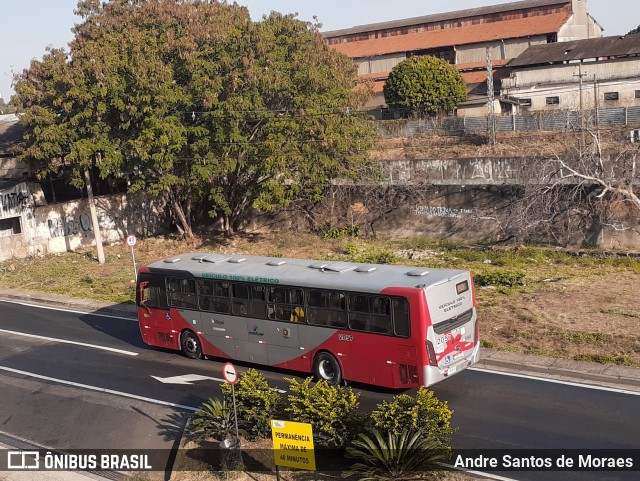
231,376
131,242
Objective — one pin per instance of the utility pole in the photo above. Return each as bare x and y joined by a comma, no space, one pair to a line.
490,97
94,216
595,103
580,75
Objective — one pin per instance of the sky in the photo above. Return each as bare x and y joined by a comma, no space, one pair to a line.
29,26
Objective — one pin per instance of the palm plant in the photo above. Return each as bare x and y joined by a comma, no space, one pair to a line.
215,419
397,457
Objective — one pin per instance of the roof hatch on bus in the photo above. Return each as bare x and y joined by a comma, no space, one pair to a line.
366,269
276,263
418,272
237,260
172,260
212,258
339,267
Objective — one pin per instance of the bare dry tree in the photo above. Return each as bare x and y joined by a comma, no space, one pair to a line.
569,197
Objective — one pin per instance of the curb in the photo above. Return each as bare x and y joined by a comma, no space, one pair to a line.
580,372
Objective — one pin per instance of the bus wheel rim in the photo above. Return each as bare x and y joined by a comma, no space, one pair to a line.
326,370
191,344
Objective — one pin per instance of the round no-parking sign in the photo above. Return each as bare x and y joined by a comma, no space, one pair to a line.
230,374
131,240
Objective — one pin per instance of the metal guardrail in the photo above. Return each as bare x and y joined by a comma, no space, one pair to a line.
564,120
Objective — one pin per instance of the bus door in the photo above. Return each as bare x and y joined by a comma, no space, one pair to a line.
249,326
453,318
183,304
285,310
153,312
219,327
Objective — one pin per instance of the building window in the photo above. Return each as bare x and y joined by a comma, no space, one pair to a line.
10,226
611,96
638,94
553,100
525,102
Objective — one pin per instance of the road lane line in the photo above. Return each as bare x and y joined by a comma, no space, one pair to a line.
477,473
98,389
64,309
64,341
558,381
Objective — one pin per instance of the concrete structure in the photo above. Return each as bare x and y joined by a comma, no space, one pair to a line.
598,73
462,38
29,227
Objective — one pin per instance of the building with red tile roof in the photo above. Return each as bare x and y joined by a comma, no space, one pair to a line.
462,38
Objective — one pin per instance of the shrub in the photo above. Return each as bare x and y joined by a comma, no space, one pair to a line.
256,403
215,420
423,413
330,409
341,232
406,455
379,257
500,279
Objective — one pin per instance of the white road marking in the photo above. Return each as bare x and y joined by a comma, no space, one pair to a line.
185,379
189,378
558,381
98,389
64,309
64,341
477,473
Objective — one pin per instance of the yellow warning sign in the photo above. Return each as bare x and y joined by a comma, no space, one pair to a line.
293,445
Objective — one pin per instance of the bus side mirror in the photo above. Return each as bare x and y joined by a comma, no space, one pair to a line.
141,287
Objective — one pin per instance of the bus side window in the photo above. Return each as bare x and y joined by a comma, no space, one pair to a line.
381,315
249,300
337,300
285,304
401,324
152,296
213,296
182,293
359,317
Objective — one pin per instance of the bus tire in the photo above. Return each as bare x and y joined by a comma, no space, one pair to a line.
326,368
190,345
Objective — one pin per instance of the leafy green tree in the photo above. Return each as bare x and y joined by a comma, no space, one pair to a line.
425,85
193,101
394,457
6,108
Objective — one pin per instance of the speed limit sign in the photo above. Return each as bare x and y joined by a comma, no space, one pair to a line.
132,240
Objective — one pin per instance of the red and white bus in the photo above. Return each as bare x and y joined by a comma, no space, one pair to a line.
392,326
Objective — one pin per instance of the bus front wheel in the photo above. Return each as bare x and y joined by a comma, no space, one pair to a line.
190,345
326,367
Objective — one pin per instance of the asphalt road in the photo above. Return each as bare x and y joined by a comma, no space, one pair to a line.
492,411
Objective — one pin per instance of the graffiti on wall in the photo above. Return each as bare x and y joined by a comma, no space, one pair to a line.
438,211
66,226
14,201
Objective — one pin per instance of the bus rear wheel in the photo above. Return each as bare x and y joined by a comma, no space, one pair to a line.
190,345
326,368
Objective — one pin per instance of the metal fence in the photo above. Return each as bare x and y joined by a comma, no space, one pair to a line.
564,120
